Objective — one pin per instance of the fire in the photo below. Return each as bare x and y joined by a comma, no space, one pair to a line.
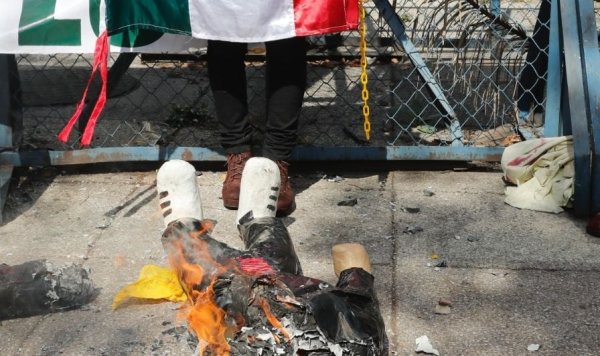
190,259
203,315
272,319
207,320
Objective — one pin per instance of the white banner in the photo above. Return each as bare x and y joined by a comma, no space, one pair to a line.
72,26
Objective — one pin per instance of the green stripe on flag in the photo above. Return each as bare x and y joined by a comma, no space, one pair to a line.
169,16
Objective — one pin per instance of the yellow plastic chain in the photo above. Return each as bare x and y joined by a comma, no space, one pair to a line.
364,79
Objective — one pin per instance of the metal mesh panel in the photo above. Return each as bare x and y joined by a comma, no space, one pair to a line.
475,59
166,100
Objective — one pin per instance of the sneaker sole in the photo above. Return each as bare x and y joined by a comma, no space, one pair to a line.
231,204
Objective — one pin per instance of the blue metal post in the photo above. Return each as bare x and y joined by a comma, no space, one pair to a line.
10,119
590,57
552,119
495,8
399,30
6,169
565,109
570,25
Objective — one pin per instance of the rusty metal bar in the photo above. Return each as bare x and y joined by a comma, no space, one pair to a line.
150,154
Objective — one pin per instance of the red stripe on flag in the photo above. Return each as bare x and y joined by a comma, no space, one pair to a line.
314,17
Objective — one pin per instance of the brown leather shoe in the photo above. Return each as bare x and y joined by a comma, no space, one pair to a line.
287,199
231,185
593,227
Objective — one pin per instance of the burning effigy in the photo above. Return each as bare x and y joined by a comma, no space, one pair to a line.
256,301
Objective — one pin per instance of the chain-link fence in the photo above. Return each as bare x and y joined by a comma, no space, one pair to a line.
475,52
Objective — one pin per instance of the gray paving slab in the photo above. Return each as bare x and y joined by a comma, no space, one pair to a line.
319,223
471,205
495,315
65,217
449,181
14,334
384,287
530,278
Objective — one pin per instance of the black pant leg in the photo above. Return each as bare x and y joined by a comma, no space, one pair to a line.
286,83
269,238
227,77
351,312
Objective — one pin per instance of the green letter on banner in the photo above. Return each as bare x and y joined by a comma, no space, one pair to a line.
38,27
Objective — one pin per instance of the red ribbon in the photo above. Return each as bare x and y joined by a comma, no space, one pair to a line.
100,60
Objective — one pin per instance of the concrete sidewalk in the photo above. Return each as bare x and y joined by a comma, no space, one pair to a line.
515,277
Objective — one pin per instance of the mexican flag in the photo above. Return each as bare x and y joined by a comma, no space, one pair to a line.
233,20
226,20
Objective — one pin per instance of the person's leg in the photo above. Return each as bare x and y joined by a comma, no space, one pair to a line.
286,83
227,76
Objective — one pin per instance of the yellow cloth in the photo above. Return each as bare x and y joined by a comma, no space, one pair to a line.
154,283
543,170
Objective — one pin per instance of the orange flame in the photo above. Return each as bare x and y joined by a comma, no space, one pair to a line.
206,319
203,315
272,319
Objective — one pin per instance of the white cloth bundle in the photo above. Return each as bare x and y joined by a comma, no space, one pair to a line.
543,170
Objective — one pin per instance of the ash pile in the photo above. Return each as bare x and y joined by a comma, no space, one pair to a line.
267,306
329,334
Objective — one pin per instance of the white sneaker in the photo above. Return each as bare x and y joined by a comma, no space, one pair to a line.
178,191
259,189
